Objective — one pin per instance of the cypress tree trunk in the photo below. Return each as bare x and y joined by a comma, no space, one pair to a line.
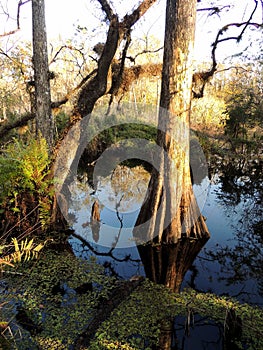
170,200
44,119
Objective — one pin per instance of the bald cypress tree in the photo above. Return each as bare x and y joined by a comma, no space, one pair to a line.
170,214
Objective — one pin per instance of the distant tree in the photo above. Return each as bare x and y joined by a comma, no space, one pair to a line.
244,110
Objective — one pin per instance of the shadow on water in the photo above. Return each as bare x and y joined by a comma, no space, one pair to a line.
230,264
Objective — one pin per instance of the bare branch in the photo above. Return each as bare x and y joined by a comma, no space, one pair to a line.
133,59
236,68
9,33
20,3
214,10
57,104
237,38
201,78
107,9
248,21
69,47
17,63
130,20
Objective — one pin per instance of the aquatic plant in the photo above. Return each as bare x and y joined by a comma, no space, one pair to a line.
60,296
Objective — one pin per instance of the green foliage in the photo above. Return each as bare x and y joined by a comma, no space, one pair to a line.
138,319
47,291
128,131
23,169
62,120
244,111
120,133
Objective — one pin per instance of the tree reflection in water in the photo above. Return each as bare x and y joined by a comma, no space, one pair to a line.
239,188
163,263
241,195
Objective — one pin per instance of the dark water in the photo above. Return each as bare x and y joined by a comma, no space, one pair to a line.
229,264
232,218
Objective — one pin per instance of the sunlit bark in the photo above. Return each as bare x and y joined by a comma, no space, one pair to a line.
170,201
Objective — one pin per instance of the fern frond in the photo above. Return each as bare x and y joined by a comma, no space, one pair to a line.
39,247
4,262
24,251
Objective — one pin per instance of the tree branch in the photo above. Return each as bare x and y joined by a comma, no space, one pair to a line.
97,86
130,20
107,9
214,10
18,123
20,3
248,21
69,47
57,104
237,38
201,78
133,59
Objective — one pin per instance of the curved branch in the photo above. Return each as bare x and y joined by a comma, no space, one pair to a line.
119,69
64,100
248,21
97,86
21,3
133,59
69,47
237,38
17,124
200,79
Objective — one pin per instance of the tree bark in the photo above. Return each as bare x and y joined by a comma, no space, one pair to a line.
69,150
44,119
170,211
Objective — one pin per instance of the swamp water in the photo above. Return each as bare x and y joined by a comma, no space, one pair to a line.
230,264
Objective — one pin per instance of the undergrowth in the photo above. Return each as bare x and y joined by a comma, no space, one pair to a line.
48,293
24,183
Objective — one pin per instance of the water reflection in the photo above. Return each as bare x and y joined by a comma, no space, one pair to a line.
231,263
232,260
168,263
118,197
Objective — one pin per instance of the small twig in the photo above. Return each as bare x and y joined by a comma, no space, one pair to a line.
19,222
133,59
215,10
